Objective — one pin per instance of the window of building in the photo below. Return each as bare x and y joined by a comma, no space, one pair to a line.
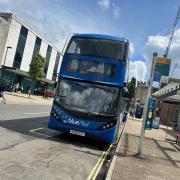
20,47
48,55
36,47
56,66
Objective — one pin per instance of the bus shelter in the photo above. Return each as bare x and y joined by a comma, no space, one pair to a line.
169,106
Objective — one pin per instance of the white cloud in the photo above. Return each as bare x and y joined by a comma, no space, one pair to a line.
4,1
138,70
115,10
53,20
104,4
131,49
159,44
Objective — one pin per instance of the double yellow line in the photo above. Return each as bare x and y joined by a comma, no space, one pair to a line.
94,173
97,167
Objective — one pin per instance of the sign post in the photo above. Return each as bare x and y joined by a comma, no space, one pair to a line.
141,139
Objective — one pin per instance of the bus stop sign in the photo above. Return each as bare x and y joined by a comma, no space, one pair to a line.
150,116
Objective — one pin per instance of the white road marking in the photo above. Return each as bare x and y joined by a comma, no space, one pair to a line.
36,113
36,129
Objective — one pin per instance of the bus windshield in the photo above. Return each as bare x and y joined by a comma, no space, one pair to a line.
87,97
98,48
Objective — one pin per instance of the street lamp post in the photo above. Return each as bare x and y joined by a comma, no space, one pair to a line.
141,139
7,48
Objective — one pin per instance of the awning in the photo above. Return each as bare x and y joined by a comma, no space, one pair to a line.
170,92
23,73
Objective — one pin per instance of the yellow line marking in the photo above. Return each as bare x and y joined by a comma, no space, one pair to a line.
97,167
32,130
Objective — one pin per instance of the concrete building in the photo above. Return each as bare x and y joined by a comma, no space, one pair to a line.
19,44
141,92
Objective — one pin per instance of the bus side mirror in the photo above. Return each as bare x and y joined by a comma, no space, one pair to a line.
125,92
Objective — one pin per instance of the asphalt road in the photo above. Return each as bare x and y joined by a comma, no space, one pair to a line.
28,150
17,111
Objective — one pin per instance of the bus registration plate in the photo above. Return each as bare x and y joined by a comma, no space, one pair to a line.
77,133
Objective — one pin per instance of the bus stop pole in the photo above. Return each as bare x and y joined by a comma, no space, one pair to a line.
141,139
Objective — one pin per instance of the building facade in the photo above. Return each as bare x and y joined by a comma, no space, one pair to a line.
169,103
141,92
19,45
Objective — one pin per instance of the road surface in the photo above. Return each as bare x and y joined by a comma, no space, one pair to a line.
28,150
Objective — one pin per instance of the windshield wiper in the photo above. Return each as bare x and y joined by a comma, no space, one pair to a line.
100,114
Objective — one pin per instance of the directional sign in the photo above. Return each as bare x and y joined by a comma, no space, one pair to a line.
162,68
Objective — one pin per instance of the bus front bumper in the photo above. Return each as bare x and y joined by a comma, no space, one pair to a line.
108,135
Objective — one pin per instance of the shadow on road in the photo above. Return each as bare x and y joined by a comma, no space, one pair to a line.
24,126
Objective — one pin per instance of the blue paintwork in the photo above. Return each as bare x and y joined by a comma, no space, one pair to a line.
106,135
65,121
117,80
92,128
69,120
101,36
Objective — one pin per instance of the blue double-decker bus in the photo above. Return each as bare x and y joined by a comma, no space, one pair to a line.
88,100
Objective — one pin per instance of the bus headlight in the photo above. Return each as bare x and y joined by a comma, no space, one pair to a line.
54,114
108,125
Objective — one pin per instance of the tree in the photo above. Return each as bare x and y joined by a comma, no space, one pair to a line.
131,87
36,70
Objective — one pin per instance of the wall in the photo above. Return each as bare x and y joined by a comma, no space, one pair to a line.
9,36
4,29
169,113
12,41
164,113
51,64
28,51
43,49
141,93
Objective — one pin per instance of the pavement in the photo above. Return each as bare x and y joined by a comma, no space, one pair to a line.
20,98
161,158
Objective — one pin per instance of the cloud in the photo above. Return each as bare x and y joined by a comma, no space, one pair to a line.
158,43
115,10
131,49
4,1
52,19
137,69
104,4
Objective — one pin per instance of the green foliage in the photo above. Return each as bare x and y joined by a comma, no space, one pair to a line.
36,71
131,87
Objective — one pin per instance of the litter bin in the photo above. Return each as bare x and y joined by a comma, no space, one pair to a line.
156,123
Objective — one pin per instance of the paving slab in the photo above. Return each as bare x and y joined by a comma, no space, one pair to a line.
20,98
161,158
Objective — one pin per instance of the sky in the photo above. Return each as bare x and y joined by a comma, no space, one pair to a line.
145,23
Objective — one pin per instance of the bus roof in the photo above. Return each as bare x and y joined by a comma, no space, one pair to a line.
101,36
